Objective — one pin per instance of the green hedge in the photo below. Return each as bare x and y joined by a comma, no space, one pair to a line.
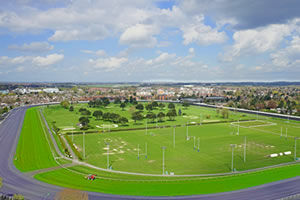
73,148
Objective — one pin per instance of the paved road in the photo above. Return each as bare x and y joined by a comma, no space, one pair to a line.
17,182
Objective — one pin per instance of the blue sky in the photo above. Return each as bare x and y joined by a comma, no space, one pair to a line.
149,40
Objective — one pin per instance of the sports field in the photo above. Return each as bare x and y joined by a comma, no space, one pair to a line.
207,150
67,120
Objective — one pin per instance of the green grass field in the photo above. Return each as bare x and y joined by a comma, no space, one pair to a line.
214,154
66,119
33,151
165,186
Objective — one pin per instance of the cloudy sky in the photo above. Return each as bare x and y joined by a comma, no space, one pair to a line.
149,40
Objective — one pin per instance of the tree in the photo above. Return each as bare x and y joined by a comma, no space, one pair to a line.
123,120
122,105
171,106
71,108
225,113
65,104
18,197
84,121
106,116
161,115
117,100
114,117
105,101
98,114
137,116
154,104
161,106
140,107
185,104
149,107
151,116
86,112
131,99
172,114
271,104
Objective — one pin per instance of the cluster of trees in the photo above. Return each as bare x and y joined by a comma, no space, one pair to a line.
224,112
137,116
99,102
65,104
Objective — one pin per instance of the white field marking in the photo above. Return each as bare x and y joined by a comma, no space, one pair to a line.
266,124
110,153
71,128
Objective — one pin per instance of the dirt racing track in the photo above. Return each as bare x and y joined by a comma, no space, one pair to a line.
16,182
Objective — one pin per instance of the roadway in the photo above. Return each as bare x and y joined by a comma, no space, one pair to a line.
16,182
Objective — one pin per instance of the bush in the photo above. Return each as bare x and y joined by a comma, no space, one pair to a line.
207,116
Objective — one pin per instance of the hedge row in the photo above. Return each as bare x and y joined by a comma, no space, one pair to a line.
73,148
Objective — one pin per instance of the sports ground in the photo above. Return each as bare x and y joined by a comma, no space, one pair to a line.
193,151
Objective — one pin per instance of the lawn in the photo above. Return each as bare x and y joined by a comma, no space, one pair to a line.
65,119
129,185
33,151
127,149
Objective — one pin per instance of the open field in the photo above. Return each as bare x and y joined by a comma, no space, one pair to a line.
66,120
33,151
214,155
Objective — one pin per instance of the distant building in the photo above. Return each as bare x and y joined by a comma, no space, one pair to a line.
51,90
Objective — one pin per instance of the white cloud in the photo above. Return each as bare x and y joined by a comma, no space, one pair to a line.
32,47
160,60
48,60
139,35
257,40
100,53
108,64
288,56
198,32
191,50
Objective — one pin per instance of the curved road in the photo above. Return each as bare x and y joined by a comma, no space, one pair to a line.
16,182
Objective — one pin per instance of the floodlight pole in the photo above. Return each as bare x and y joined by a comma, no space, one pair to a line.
163,164
245,144
187,130
146,150
198,144
107,155
238,132
281,132
232,151
295,154
138,149
174,137
146,126
72,136
83,138
194,142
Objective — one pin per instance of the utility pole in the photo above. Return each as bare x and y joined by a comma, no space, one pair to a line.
163,161
245,149
232,151
194,142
